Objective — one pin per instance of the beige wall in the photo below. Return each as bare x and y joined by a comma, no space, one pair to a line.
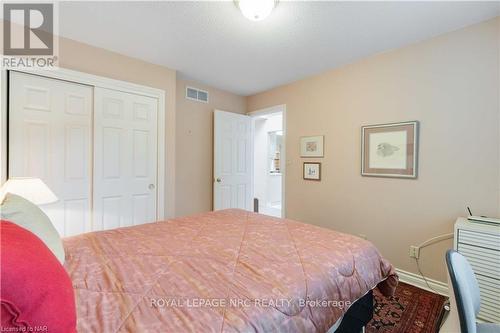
451,85
89,59
194,161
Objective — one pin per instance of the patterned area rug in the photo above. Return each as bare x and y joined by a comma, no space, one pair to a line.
410,310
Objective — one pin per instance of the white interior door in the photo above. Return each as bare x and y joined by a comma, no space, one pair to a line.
232,161
125,154
50,139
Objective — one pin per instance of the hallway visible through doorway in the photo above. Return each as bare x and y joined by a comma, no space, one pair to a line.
268,162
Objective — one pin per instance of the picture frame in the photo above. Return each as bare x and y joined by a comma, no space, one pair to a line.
311,171
312,146
390,150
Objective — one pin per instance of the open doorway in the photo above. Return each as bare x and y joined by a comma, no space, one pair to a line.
269,160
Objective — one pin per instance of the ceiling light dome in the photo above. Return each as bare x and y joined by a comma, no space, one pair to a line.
256,10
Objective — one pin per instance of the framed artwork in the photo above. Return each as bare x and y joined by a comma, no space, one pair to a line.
312,171
311,146
390,150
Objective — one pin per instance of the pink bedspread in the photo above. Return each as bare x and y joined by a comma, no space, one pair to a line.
227,271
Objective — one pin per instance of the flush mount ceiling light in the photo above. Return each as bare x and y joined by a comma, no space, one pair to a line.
256,10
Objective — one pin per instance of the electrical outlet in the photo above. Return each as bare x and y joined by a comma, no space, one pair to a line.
414,252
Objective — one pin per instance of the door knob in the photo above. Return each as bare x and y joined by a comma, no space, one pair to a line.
218,180
151,186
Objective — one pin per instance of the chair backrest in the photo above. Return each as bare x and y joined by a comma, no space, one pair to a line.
465,289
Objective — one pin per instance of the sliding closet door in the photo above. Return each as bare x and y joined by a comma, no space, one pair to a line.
50,138
125,159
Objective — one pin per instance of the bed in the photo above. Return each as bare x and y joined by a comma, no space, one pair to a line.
224,271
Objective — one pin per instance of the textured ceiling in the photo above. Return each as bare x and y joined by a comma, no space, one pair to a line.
213,43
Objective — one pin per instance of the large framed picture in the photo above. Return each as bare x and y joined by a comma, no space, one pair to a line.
312,171
312,146
390,150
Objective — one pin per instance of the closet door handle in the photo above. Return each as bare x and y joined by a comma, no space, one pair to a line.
151,186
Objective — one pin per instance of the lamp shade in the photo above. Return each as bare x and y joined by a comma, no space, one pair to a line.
32,189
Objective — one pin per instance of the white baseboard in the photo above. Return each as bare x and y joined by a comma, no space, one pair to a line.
417,281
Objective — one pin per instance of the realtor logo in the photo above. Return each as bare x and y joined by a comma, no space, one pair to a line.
28,29
29,35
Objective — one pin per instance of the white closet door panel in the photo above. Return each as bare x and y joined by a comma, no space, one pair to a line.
111,212
50,138
77,212
37,147
125,154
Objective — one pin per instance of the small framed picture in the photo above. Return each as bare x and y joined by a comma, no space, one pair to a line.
311,146
312,171
390,150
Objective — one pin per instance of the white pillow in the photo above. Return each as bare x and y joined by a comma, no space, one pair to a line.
26,214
